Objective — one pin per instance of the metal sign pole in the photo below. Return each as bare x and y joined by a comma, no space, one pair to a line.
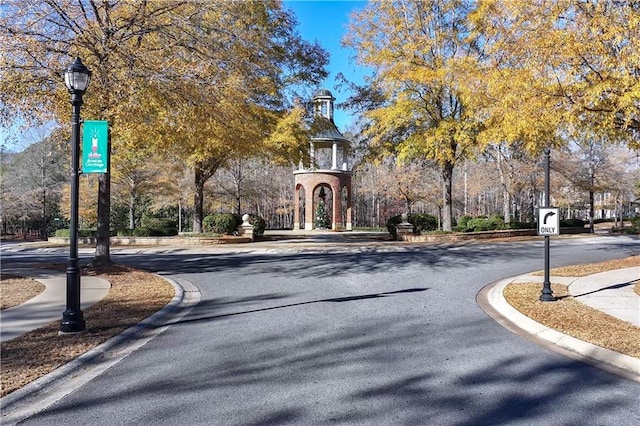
547,294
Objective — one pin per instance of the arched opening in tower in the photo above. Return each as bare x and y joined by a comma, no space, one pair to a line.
323,199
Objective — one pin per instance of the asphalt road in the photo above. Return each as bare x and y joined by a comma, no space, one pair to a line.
378,336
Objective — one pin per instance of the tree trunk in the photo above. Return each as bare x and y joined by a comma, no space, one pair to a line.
202,173
180,215
198,199
618,211
466,191
43,224
447,212
104,207
102,256
132,211
591,210
506,196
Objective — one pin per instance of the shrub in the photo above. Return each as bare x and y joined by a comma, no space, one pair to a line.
141,231
483,223
208,223
62,233
259,224
572,223
82,233
462,223
160,227
477,224
634,229
421,223
520,225
392,222
603,220
220,223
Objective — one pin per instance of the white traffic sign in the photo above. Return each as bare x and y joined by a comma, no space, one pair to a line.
548,221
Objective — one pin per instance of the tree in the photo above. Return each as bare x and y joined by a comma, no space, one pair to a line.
552,63
592,165
408,183
585,167
201,80
135,178
321,218
174,187
32,181
420,53
88,203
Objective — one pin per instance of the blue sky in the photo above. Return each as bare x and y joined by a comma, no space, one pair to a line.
326,21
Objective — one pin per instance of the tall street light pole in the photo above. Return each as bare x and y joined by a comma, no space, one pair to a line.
76,77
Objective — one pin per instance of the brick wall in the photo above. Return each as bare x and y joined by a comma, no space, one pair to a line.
308,182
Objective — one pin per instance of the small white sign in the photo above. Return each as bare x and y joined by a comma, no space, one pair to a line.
548,221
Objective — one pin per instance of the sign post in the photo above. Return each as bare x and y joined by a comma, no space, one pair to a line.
548,224
95,146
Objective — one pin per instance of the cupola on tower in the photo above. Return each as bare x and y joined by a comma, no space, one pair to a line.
323,187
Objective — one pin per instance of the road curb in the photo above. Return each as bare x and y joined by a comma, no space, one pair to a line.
45,391
492,301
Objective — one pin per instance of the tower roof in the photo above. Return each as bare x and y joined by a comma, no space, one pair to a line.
323,93
327,130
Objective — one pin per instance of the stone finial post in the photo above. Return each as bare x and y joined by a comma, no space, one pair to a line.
403,228
246,229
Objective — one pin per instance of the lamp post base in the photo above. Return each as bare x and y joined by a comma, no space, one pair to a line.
72,322
547,295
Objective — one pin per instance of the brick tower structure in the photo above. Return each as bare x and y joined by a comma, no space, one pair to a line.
324,185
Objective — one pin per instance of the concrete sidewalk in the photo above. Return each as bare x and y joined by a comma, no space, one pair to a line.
610,292
48,305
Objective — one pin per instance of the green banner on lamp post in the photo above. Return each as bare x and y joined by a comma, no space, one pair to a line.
95,146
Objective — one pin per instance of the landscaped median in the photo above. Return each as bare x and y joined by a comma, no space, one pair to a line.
484,235
573,318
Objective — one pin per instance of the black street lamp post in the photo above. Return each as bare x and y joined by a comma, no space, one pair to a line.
76,77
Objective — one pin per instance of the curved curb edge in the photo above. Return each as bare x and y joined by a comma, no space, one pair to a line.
45,391
491,300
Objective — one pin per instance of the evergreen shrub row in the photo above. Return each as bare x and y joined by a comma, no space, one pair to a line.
572,223
488,223
151,227
217,223
82,233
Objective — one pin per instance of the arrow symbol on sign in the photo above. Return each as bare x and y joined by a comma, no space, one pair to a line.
547,216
